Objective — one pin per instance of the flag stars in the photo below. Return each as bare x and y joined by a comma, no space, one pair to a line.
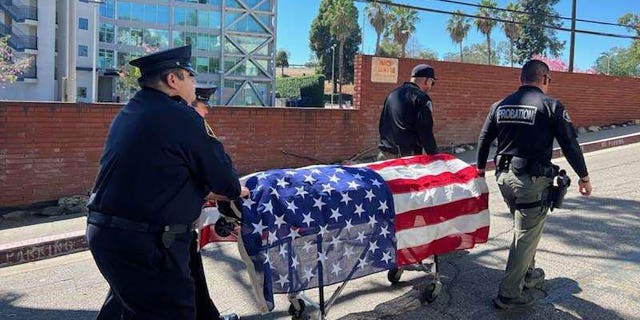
292,206
383,206
281,183
308,274
258,227
283,251
373,246
372,221
335,241
247,202
336,268
262,175
282,281
301,192
353,185
384,231
376,182
310,179
370,195
273,237
294,262
317,203
359,210
280,220
316,171
327,188
335,214
340,170
274,192
362,263
361,237
307,219
267,207
334,178
307,246
348,251
349,225
290,172
358,176
386,256
323,230
345,198
322,257
294,233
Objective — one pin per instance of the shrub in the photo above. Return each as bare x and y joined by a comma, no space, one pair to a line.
309,88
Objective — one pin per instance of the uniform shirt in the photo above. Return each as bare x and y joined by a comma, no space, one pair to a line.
406,122
159,163
525,123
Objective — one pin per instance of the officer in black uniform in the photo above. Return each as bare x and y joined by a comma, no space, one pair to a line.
158,165
525,124
406,121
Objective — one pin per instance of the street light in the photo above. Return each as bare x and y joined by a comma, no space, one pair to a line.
333,65
94,93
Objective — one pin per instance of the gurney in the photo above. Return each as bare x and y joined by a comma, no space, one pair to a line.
316,226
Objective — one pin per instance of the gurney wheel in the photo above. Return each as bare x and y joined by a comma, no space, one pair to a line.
394,275
296,314
432,291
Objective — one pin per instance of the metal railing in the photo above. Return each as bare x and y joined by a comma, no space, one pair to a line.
19,11
17,39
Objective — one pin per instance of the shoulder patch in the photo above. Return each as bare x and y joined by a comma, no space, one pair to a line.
209,130
565,116
430,106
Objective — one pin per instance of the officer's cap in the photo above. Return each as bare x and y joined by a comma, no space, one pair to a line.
204,93
423,71
163,60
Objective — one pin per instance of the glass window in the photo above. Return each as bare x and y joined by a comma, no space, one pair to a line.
150,13
105,58
107,9
202,64
214,65
251,3
156,38
163,15
137,12
106,33
83,51
179,16
190,38
265,6
83,23
178,39
230,17
214,43
214,2
191,17
124,35
214,19
124,10
266,19
203,19
202,43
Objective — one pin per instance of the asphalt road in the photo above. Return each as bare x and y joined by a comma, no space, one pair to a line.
590,252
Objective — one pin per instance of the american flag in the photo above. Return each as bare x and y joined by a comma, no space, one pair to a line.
320,225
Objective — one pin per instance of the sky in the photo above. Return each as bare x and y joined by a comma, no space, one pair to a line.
295,17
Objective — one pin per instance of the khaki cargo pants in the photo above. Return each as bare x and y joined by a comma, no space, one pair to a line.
522,191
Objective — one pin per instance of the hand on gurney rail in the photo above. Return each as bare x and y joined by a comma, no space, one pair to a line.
244,192
230,216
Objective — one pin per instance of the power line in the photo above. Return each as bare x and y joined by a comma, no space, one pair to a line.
605,34
527,13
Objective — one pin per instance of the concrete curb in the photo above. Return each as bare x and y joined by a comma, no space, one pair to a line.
48,247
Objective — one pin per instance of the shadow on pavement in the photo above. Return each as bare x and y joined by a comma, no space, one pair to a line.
9,311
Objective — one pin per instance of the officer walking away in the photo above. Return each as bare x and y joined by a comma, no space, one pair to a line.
406,121
158,165
525,124
205,308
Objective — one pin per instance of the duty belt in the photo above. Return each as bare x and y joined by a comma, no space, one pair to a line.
168,231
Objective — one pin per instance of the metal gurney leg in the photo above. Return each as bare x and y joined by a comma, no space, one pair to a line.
435,285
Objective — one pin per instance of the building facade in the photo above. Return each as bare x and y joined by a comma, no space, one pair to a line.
233,45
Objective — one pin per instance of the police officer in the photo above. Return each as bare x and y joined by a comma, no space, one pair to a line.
205,308
158,165
406,121
525,124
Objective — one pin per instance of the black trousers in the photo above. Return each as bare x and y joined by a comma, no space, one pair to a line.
147,281
205,308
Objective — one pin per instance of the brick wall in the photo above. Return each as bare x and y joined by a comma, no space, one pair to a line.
49,150
464,92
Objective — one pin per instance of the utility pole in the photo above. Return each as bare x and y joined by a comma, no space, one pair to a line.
573,36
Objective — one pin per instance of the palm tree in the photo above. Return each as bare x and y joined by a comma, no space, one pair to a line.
342,19
458,27
485,25
403,25
378,15
512,28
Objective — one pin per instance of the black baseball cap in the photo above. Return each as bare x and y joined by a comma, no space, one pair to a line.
423,71
163,60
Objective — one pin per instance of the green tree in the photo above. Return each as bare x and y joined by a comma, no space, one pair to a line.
388,48
342,17
11,67
321,43
477,53
632,20
511,27
402,26
282,60
458,27
484,22
534,37
622,62
378,16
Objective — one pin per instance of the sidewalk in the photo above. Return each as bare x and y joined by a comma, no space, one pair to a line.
45,240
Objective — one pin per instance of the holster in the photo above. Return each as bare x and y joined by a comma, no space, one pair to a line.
558,190
520,166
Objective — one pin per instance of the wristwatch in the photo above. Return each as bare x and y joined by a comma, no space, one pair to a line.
584,179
